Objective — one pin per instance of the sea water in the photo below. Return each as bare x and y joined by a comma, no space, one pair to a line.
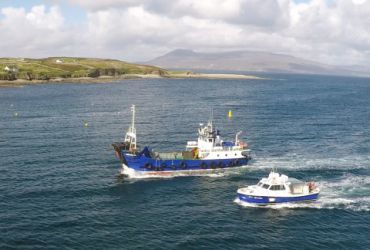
59,182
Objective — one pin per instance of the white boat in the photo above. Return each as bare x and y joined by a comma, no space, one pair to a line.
277,188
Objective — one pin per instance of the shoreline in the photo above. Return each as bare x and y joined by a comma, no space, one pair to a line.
213,76
105,79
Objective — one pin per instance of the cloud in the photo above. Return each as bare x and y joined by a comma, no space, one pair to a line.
40,19
333,30
165,25
38,30
328,31
106,4
246,12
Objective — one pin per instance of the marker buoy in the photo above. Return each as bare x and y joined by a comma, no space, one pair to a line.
230,114
86,124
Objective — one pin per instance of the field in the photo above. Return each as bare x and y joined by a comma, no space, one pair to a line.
69,67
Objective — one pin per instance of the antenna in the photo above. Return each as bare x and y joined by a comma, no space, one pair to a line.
130,136
211,119
237,137
133,117
274,169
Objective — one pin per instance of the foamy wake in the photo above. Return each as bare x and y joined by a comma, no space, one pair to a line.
294,161
215,173
347,192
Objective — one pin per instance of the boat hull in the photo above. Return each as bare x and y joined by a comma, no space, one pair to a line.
142,163
266,200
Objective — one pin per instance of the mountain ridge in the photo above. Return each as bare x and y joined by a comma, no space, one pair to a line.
248,61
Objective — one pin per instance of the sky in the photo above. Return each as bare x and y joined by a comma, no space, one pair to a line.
335,32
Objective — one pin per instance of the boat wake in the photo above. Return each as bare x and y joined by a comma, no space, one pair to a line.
211,175
214,173
294,161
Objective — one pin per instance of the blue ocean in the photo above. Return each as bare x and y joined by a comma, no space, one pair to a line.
60,187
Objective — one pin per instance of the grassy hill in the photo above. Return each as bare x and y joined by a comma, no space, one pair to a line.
69,67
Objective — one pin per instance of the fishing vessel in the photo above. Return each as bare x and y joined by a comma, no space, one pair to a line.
208,154
278,188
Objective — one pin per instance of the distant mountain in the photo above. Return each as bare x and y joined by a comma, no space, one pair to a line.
251,61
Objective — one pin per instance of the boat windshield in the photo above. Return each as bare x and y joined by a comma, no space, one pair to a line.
266,186
277,187
259,184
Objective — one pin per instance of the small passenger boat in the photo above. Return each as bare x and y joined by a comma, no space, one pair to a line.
277,188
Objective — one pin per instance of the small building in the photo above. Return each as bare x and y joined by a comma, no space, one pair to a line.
59,61
11,69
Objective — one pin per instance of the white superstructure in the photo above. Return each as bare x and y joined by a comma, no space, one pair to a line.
277,188
210,145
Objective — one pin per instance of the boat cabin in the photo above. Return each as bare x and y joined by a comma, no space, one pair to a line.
211,145
277,182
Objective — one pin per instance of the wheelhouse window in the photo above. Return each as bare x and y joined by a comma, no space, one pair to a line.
265,186
277,187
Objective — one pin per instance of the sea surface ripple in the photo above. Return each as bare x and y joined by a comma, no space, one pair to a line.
59,183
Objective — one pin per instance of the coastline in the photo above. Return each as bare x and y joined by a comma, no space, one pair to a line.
212,76
105,79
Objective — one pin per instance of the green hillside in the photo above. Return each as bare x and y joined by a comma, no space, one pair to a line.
69,67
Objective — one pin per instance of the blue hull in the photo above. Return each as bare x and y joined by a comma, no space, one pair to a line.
265,200
143,163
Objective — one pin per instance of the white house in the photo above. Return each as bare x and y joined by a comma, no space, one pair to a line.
59,61
12,69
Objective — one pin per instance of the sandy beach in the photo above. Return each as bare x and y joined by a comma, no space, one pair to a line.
213,76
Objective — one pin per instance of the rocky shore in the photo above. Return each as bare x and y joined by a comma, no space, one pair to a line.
105,79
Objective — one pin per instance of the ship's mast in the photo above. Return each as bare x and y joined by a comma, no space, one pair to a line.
211,120
237,138
130,136
133,119
210,135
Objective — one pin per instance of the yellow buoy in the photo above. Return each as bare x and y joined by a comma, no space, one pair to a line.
15,114
230,114
86,124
